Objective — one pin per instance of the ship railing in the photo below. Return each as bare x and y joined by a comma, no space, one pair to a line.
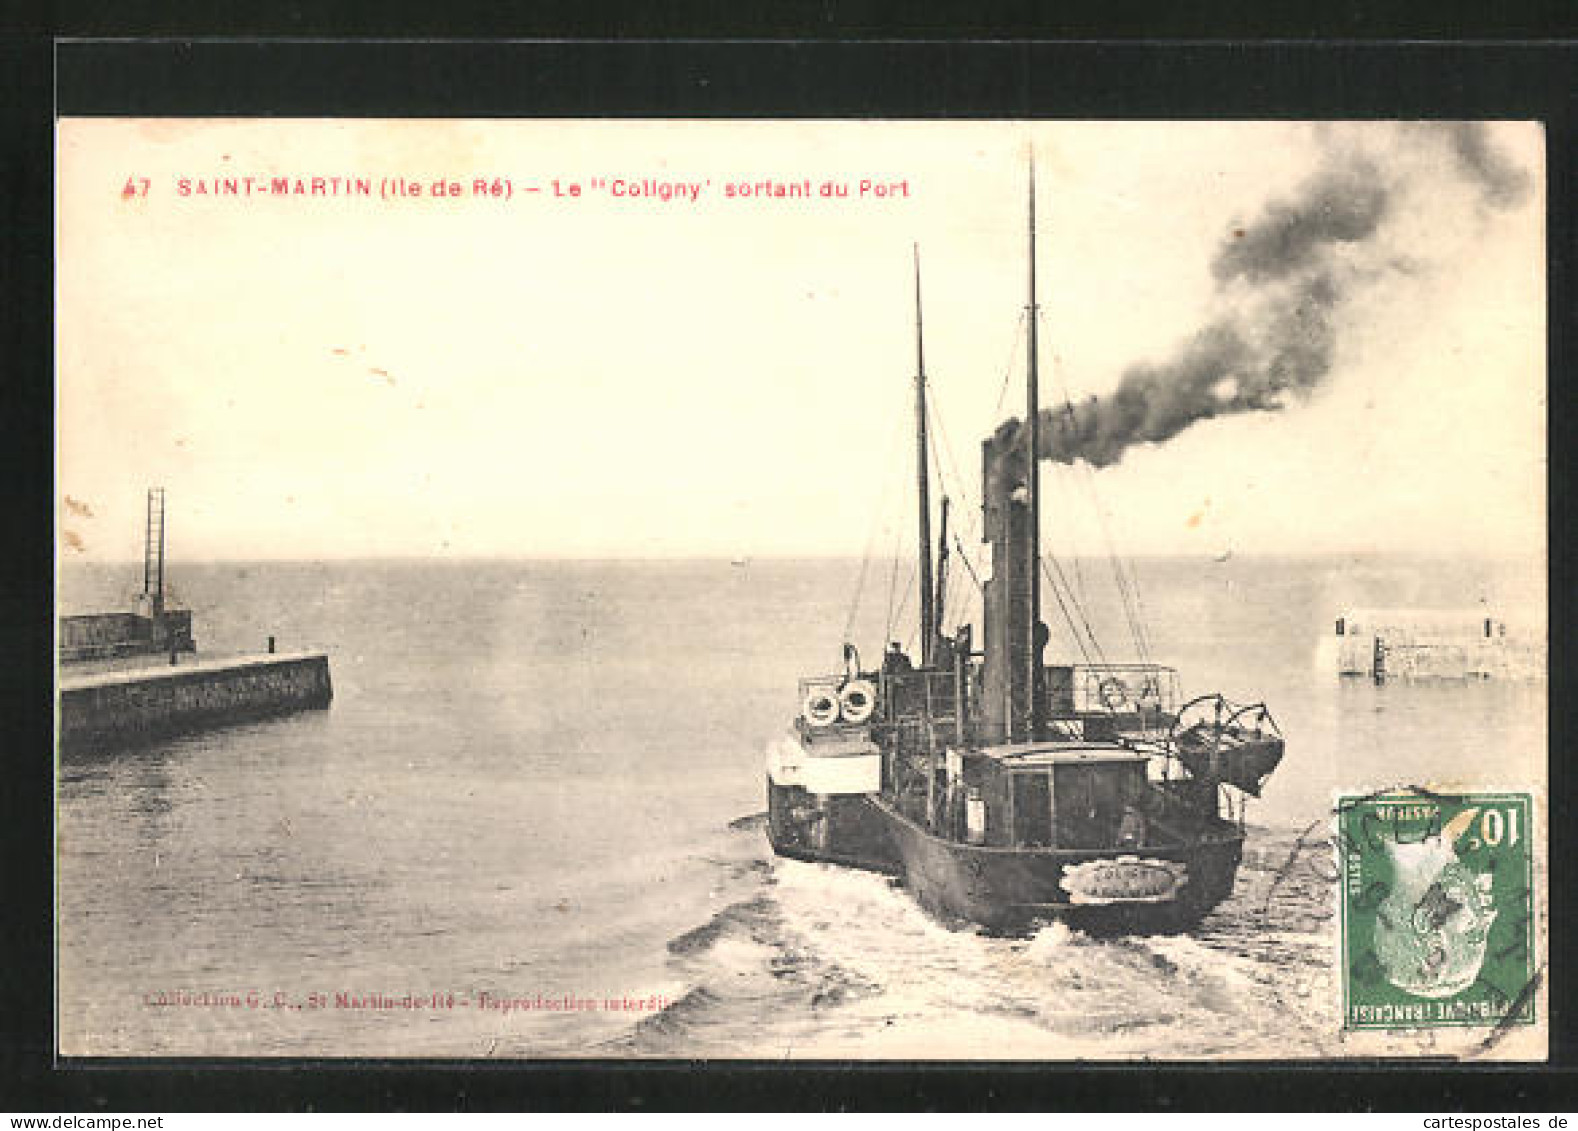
832,684
918,697
913,762
926,700
1148,691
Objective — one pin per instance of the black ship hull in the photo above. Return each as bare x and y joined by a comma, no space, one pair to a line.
1012,891
830,829
1005,891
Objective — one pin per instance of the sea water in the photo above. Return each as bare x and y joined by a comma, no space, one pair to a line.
529,825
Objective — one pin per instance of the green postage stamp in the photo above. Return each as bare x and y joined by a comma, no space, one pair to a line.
1437,910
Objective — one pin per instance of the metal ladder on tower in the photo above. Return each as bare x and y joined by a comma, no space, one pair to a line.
153,553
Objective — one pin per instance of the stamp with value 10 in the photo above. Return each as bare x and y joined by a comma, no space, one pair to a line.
1437,910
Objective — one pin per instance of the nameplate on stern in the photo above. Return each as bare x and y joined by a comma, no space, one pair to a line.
1126,879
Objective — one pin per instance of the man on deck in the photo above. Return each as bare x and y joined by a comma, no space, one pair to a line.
895,661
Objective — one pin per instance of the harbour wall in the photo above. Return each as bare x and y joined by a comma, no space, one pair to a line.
1413,659
104,635
105,710
1433,644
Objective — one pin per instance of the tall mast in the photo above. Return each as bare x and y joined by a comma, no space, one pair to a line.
928,611
1033,475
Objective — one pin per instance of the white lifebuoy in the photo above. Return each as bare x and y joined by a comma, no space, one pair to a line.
820,709
858,700
1114,694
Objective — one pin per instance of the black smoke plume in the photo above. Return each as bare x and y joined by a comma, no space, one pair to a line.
1282,282
1502,182
1343,204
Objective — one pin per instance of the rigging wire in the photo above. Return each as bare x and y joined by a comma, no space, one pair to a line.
965,558
907,591
1144,617
971,571
941,453
950,582
1083,620
964,586
1060,385
935,464
912,637
959,597
946,462
1125,582
877,516
1077,619
1063,506
1008,370
893,579
1127,585
1068,618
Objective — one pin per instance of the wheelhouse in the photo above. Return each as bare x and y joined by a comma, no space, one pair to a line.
1056,797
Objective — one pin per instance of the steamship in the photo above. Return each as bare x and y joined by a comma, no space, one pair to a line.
1002,790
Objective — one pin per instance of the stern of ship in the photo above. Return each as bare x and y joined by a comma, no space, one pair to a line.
821,778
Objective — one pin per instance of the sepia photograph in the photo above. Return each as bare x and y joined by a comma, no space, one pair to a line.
792,590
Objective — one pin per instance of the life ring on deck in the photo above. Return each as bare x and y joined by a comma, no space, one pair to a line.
858,700
1114,694
820,708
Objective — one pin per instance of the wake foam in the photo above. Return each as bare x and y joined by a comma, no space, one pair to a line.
819,960
749,973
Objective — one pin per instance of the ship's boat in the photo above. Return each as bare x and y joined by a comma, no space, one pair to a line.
1003,790
1239,745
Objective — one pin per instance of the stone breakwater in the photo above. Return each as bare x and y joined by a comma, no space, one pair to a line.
103,710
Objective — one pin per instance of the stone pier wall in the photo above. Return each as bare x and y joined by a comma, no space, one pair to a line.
121,708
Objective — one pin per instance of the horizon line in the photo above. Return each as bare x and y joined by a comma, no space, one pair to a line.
1475,552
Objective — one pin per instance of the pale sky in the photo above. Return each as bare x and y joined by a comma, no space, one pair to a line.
600,376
